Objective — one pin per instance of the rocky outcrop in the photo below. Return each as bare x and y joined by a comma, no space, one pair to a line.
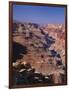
40,47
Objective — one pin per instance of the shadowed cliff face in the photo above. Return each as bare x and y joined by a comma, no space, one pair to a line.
18,51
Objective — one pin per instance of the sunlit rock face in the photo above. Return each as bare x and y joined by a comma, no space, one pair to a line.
42,47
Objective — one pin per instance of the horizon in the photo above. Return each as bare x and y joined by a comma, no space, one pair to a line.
37,23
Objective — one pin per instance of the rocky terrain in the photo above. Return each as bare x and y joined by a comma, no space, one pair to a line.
38,53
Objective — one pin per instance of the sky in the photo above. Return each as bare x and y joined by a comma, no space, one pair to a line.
39,14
